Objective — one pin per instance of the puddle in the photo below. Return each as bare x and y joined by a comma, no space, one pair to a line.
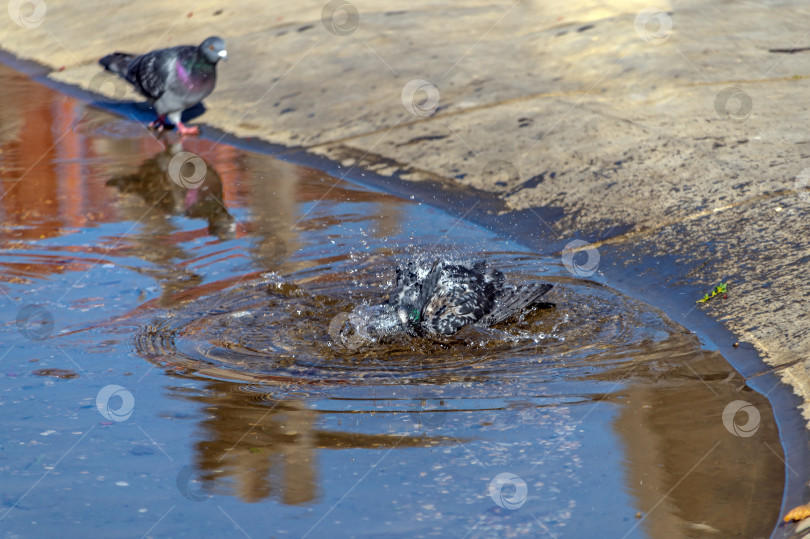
168,368
276,329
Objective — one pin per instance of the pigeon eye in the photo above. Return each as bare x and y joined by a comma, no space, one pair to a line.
210,47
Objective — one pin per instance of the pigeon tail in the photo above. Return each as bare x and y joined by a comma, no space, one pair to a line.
117,62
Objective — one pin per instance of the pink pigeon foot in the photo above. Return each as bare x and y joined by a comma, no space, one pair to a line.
159,123
183,130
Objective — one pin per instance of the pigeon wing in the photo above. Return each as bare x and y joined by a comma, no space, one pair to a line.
514,299
460,297
151,73
414,284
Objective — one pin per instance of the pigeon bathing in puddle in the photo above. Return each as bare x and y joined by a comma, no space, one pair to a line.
173,79
438,298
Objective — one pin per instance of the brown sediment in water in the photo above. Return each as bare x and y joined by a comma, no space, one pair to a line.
62,374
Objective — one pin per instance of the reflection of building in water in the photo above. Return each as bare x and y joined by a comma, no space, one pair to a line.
678,464
43,164
263,448
51,152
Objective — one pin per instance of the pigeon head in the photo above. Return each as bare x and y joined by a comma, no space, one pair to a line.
368,324
213,49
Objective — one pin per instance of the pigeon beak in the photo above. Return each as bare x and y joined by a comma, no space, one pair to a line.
223,54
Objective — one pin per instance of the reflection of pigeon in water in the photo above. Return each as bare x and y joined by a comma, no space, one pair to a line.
153,182
440,297
172,79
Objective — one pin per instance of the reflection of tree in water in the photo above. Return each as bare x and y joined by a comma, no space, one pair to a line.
153,183
260,447
682,465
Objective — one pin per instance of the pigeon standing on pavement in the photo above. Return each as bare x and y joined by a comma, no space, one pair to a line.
173,79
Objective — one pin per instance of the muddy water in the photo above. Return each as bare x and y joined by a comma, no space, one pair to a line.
167,366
